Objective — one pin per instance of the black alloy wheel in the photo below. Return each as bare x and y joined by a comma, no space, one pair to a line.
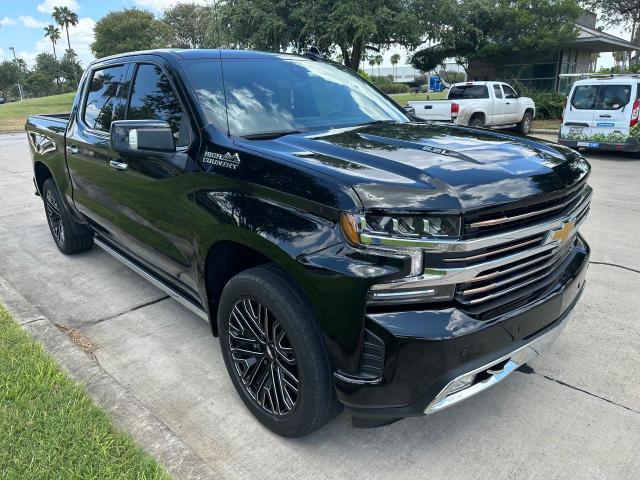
54,217
263,357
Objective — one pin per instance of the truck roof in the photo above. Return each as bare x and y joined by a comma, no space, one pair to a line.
627,79
199,53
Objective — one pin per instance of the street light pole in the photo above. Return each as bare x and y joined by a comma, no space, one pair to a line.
16,60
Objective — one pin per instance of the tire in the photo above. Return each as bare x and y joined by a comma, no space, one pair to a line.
271,369
476,122
524,126
70,237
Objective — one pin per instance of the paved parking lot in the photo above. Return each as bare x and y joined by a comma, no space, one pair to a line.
576,415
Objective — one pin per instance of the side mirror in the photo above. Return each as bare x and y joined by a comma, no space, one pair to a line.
409,109
139,136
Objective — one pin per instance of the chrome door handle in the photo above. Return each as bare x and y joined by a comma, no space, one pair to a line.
72,149
118,165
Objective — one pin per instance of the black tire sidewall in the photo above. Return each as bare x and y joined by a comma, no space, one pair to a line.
476,123
49,185
522,125
280,296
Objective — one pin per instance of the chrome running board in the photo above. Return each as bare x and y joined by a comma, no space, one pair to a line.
185,302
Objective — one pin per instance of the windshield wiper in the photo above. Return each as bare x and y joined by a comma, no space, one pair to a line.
375,122
270,135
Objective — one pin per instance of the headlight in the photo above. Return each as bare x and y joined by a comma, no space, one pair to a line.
393,234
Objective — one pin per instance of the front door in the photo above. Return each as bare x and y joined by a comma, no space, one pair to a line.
152,193
511,105
87,145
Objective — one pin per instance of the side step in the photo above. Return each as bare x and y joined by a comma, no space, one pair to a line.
178,297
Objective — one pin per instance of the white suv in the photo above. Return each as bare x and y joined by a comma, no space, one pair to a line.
602,113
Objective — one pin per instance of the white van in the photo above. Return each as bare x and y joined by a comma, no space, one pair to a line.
602,113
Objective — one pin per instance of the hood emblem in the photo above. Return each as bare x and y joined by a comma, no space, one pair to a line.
560,235
226,160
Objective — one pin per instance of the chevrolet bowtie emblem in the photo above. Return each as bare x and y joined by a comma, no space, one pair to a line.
562,233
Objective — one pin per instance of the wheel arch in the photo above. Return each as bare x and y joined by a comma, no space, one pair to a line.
41,173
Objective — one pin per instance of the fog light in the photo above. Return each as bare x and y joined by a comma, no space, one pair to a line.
461,383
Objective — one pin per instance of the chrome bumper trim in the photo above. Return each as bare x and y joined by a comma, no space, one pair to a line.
443,245
449,396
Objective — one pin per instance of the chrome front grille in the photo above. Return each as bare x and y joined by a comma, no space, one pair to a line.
495,283
492,270
511,217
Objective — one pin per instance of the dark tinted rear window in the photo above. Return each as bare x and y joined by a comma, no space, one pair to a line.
102,105
468,91
601,97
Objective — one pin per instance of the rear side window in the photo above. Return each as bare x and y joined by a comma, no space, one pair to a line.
497,91
153,98
102,103
468,91
601,97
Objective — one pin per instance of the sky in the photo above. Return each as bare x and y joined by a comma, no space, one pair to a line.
22,23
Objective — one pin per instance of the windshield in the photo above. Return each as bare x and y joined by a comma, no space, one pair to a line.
285,94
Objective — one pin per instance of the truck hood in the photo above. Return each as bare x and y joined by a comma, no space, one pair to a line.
418,166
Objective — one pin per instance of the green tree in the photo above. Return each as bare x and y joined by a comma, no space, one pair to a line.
395,59
616,13
43,80
496,30
129,30
70,69
191,25
53,33
65,18
348,27
9,76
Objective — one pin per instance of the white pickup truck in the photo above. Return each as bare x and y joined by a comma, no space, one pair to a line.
480,104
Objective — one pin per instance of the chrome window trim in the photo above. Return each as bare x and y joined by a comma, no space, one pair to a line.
442,245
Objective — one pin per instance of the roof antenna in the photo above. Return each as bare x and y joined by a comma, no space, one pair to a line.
313,53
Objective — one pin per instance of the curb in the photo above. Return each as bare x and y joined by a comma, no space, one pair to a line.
548,131
126,411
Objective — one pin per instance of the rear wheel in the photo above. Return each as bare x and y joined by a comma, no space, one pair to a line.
70,237
476,122
274,352
524,127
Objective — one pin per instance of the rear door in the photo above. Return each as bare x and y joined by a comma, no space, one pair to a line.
612,113
511,112
87,144
578,116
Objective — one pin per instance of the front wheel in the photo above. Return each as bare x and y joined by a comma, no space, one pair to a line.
524,127
274,353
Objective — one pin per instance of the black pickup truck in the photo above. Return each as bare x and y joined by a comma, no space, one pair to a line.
345,253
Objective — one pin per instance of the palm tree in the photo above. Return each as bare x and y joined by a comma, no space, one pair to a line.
53,33
378,60
65,17
372,62
395,58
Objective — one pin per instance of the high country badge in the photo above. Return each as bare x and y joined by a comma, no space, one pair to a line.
226,160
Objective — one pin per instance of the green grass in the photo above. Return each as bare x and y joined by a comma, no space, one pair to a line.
14,114
403,98
50,428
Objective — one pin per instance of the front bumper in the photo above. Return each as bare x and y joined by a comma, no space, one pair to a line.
428,352
631,145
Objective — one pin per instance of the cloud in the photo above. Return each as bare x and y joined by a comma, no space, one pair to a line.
47,5
4,21
29,21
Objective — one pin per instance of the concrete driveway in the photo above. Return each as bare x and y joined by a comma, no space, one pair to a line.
575,415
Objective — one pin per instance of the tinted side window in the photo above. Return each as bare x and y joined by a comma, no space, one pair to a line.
497,91
152,98
509,92
468,91
102,100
